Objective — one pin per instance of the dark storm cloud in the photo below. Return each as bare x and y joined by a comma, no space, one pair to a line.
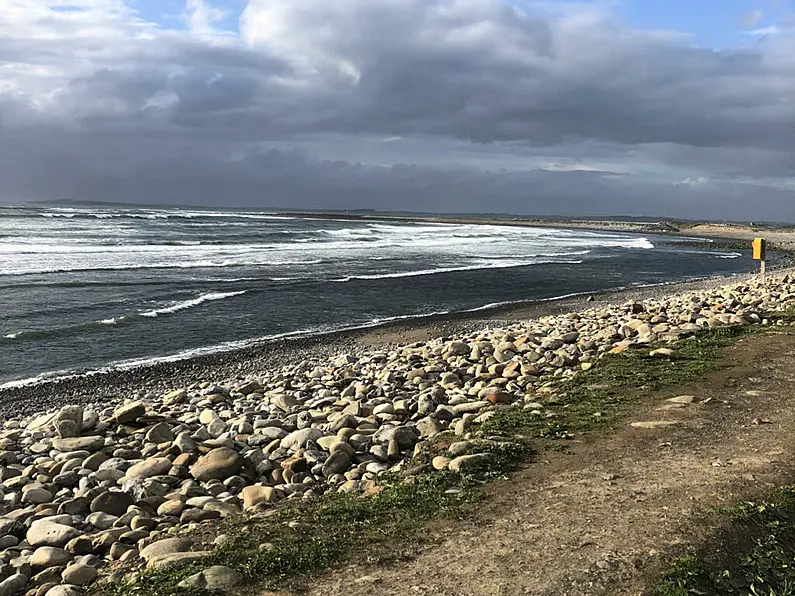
115,108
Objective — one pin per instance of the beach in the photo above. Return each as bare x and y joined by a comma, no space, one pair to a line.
92,289
126,469
108,474
116,385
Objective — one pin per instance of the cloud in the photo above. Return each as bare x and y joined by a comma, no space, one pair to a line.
751,18
764,31
202,17
692,181
470,84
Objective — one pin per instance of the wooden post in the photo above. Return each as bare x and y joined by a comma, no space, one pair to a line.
760,248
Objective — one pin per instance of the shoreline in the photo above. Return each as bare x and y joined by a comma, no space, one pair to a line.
114,385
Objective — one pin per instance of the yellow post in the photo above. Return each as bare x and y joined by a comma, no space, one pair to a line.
760,248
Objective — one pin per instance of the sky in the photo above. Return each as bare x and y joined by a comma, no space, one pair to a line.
675,108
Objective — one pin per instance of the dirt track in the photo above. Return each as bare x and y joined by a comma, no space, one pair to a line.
606,516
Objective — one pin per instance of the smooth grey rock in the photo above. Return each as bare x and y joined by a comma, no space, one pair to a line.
102,520
13,585
91,443
218,464
406,436
37,496
469,463
67,428
175,560
49,533
64,590
218,577
79,574
167,546
337,463
49,556
108,474
112,502
127,413
154,466
254,495
160,433
185,443
299,438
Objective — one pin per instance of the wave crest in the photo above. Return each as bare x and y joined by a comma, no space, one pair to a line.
178,306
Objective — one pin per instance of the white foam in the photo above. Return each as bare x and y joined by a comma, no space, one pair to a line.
178,306
437,270
37,248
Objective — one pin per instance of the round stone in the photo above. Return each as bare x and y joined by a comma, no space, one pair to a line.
79,575
112,502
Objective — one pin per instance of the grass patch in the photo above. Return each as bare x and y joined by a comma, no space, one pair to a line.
604,392
299,538
753,554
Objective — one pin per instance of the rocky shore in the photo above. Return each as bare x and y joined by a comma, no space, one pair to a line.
114,385
96,488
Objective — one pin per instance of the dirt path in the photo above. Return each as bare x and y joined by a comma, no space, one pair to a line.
604,517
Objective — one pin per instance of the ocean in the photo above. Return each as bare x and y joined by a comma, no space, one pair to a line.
95,287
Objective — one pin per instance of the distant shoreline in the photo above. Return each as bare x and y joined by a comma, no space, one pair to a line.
779,238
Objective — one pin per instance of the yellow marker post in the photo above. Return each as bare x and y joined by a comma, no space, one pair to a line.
760,248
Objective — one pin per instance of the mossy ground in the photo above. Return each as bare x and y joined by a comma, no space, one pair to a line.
298,539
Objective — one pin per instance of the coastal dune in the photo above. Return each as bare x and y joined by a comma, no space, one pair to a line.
96,482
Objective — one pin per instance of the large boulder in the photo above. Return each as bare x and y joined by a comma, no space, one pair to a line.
49,556
176,560
337,463
218,464
160,433
79,574
130,412
68,421
13,585
470,463
50,533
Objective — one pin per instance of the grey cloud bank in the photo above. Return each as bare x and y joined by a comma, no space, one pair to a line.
446,105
